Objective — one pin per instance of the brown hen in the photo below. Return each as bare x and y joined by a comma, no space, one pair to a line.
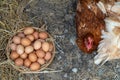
89,23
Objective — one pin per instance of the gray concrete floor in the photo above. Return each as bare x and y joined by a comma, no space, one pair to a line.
75,65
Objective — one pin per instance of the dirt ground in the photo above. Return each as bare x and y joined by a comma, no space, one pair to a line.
75,65
59,17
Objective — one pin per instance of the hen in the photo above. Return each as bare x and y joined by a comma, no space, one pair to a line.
109,47
89,23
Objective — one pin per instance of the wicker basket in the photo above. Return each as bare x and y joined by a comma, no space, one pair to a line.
25,69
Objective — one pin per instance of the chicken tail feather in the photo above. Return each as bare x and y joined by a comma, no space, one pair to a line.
100,59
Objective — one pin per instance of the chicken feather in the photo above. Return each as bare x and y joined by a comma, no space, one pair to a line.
109,47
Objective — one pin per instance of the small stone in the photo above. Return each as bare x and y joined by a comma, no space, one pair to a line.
74,70
118,70
65,75
59,57
72,40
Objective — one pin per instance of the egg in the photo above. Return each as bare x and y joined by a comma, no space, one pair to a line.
36,35
48,56
14,55
35,66
27,63
32,57
41,61
20,49
30,37
25,42
37,44
45,46
40,53
16,39
20,34
51,47
29,49
23,56
19,62
13,46
28,30
43,35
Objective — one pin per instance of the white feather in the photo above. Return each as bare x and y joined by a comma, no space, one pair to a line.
111,24
102,7
109,47
99,58
116,8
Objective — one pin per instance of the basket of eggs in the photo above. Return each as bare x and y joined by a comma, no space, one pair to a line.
30,50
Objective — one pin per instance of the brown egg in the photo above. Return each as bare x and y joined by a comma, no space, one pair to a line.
25,42
23,56
41,61
35,66
19,62
45,46
14,55
21,34
36,34
13,46
30,37
48,56
20,49
32,57
37,44
16,39
29,49
27,63
40,53
43,35
51,47
28,30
